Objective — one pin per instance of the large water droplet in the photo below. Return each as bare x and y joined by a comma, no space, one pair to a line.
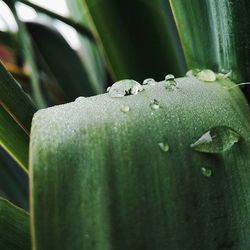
149,81
125,109
216,140
124,88
206,75
155,104
192,72
206,172
163,146
170,82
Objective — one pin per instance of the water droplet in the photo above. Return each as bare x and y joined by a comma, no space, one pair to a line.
171,85
192,72
169,77
125,109
154,104
149,81
108,89
216,140
206,172
125,88
206,75
80,98
163,146
224,75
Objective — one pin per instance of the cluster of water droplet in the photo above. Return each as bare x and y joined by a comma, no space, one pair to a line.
216,140
207,75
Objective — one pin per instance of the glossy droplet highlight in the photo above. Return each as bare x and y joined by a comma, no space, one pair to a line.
155,104
149,81
125,109
192,72
206,75
216,140
206,172
125,88
170,82
163,146
169,77
80,98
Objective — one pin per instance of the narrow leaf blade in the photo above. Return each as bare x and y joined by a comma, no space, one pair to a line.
14,227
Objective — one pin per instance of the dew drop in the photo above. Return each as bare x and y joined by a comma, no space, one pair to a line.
108,89
169,77
192,72
163,146
170,82
125,109
154,104
224,75
149,81
206,172
125,88
206,75
216,140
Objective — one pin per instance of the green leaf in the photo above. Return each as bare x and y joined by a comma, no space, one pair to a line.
89,51
132,180
77,26
61,61
14,139
135,38
27,52
15,100
14,227
13,181
215,34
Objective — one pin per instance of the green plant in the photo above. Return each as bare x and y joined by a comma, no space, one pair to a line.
149,165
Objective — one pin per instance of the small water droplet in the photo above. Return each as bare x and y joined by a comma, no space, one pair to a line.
192,72
224,75
163,146
169,77
149,81
125,88
206,75
80,98
125,109
216,140
108,89
206,172
171,85
154,104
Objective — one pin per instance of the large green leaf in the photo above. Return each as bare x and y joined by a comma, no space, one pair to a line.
215,34
14,139
14,227
135,38
61,61
125,172
15,100
13,181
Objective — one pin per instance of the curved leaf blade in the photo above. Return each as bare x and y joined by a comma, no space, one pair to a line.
14,227
13,139
61,60
132,178
15,100
135,38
